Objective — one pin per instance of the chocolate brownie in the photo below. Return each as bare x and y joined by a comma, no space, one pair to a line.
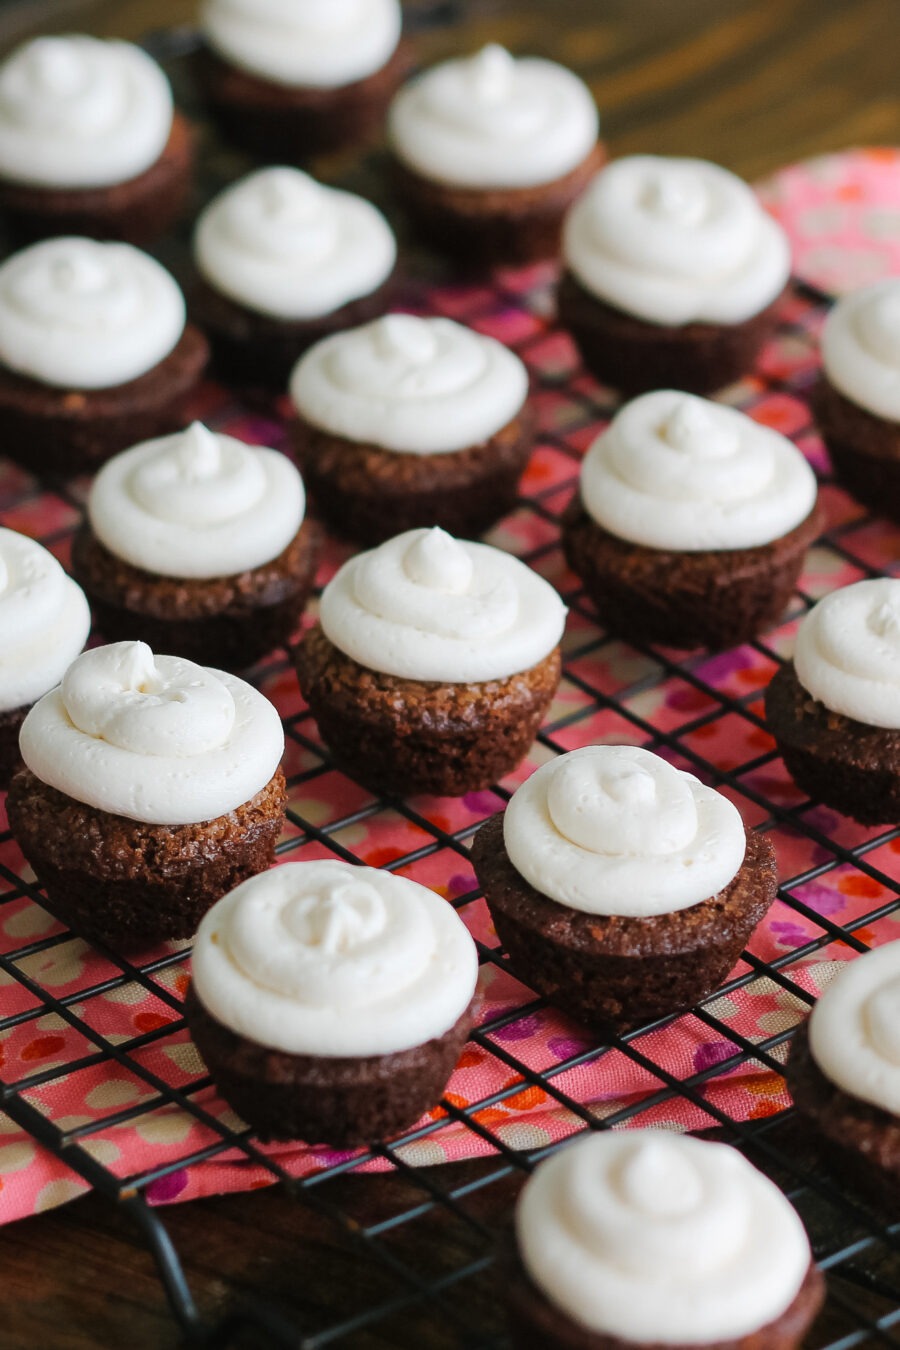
10,723
257,351
713,599
410,736
538,1324
227,622
495,226
370,494
69,431
285,125
635,356
849,766
863,1138
138,211
324,1099
613,972
864,449
131,884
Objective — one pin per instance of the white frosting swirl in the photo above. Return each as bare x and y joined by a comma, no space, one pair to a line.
426,606
861,348
492,121
656,1237
613,829
322,44
417,386
81,112
676,241
197,504
673,471
847,652
156,739
44,620
284,245
324,958
854,1029
84,315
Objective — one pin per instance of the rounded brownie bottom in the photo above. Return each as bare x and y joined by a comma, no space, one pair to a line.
131,884
282,124
712,599
227,622
323,1099
851,767
501,227
410,736
537,1324
370,494
256,351
11,720
635,356
137,211
864,449
610,972
862,1139
69,431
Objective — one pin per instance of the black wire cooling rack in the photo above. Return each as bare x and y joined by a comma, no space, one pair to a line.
418,1264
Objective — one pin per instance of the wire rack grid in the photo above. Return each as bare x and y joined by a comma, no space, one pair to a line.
855,1245
419,1259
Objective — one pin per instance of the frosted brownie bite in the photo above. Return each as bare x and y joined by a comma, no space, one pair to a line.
673,275
331,1002
433,663
151,787
198,545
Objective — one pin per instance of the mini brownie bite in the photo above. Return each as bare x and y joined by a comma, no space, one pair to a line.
834,710
433,664
646,1238
491,151
94,353
44,624
283,262
691,523
151,787
288,79
331,1002
408,422
622,889
857,399
673,274
843,1071
90,143
197,545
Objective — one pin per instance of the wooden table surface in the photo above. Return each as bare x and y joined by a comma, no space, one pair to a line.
752,84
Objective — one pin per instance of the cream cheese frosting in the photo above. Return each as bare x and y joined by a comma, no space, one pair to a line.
854,1029
44,620
152,738
79,314
676,241
847,652
655,1237
613,829
197,504
861,348
494,121
673,471
322,44
284,245
426,606
324,958
413,385
81,112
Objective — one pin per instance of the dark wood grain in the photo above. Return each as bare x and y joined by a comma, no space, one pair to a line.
752,84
